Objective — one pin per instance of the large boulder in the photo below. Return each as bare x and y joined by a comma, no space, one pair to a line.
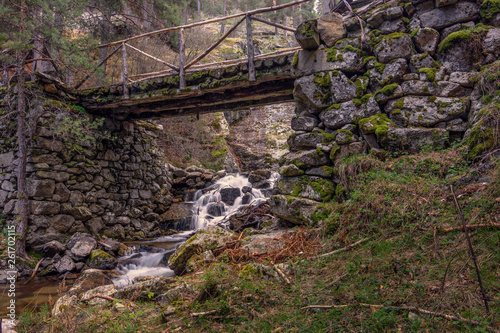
293,209
339,115
308,187
394,46
305,159
413,139
84,247
229,195
331,28
426,111
316,92
439,18
209,238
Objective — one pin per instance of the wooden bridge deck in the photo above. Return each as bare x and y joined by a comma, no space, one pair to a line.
208,89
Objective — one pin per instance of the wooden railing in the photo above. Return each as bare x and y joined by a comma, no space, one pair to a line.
250,58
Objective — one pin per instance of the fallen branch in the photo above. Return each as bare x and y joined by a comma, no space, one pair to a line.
105,245
471,226
348,247
280,272
197,314
472,253
404,308
111,299
34,271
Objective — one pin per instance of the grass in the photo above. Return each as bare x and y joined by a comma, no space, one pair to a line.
398,203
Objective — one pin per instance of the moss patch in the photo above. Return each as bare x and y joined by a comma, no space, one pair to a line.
377,124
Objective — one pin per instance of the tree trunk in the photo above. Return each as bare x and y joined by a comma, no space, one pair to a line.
105,30
325,6
199,10
22,191
223,24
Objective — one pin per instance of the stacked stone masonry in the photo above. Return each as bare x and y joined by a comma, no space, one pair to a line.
116,188
409,86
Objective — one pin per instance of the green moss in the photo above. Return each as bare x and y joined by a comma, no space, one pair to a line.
378,124
397,112
489,9
368,59
98,256
386,91
425,89
430,73
466,35
334,106
325,188
334,152
361,85
414,32
348,136
295,61
322,80
309,28
379,67
431,99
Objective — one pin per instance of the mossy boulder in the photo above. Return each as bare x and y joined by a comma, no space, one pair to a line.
413,139
305,159
208,238
426,111
308,187
295,210
101,260
377,124
346,113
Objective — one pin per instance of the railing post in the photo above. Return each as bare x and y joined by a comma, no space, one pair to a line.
126,94
182,60
251,65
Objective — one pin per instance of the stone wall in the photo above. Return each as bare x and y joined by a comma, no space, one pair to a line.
409,86
116,187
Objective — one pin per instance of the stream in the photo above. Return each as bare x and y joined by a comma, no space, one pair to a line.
209,206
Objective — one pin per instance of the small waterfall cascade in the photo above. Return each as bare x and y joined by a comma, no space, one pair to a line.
224,198
210,206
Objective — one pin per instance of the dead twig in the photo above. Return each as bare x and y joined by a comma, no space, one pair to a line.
280,272
111,299
348,247
34,272
471,226
197,314
404,308
471,249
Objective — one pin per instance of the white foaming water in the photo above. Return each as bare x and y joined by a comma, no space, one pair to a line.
208,209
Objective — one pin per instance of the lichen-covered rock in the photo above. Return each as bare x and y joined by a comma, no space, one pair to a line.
331,28
389,92
304,123
41,188
209,238
426,40
101,260
419,61
290,170
394,46
440,18
295,210
64,265
307,35
263,242
491,43
384,74
307,140
156,285
377,124
339,115
308,187
413,139
318,91
304,159
106,290
84,247
425,111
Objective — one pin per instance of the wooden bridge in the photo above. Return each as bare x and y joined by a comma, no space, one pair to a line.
191,87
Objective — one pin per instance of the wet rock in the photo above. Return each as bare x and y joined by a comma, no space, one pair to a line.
216,209
64,265
101,260
209,238
84,247
229,194
50,249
